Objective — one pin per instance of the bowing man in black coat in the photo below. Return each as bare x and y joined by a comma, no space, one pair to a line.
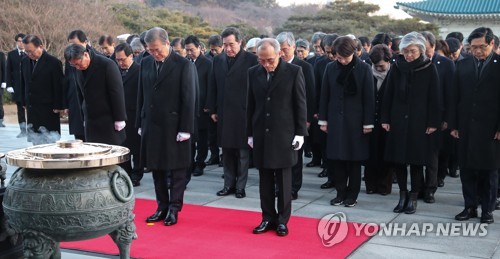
203,67
129,70
276,115
100,93
13,81
41,78
346,114
165,117
287,50
227,105
475,122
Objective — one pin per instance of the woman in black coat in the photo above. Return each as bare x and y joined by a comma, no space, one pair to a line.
347,104
378,177
410,114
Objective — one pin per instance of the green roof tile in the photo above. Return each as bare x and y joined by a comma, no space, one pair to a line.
455,6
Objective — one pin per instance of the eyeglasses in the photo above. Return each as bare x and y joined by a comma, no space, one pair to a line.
267,61
413,52
481,47
76,64
119,60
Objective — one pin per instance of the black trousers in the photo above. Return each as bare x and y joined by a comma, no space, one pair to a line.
236,163
1,102
430,179
297,171
347,178
21,116
268,178
378,178
479,183
170,199
201,148
212,139
448,156
416,173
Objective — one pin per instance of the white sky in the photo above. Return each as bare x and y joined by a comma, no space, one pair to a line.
386,6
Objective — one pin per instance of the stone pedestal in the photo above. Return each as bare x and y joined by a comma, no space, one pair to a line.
11,244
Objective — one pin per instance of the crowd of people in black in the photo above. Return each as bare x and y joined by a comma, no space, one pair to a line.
387,105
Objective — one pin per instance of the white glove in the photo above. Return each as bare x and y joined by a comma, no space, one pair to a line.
139,131
4,85
297,142
10,90
183,136
250,141
119,125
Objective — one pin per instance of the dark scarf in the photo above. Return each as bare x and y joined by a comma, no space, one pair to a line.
408,70
346,78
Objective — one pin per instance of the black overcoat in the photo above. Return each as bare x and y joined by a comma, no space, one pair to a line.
308,71
72,102
102,98
228,98
130,89
378,135
165,107
203,68
347,113
13,74
411,105
42,92
276,113
475,112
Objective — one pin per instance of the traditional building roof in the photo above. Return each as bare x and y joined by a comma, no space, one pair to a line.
463,9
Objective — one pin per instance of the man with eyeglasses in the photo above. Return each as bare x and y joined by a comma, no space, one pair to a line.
227,105
13,81
276,126
475,122
130,76
100,93
166,104
42,92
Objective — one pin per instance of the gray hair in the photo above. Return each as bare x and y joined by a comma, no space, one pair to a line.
317,36
413,38
252,43
74,51
286,37
155,34
302,43
269,42
429,37
136,44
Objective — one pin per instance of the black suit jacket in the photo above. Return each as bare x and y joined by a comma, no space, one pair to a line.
203,68
307,70
102,99
42,91
276,113
130,89
166,106
228,96
13,74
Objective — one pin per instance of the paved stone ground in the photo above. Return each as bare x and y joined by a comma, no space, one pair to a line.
314,202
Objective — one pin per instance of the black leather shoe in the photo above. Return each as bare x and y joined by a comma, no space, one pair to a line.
136,183
324,173
440,182
453,174
213,161
159,215
497,204
429,197
171,219
282,230
295,195
327,185
225,191
240,194
263,227
313,164
466,214
198,171
308,154
487,217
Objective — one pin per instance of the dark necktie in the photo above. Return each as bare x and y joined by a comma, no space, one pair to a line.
480,64
22,54
158,64
270,76
230,62
33,65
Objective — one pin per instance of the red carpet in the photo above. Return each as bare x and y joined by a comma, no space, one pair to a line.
207,232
